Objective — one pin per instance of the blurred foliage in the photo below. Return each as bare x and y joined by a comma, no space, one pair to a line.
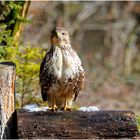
5,37
138,122
27,60
10,13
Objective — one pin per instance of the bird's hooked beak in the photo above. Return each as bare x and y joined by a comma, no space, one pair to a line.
58,35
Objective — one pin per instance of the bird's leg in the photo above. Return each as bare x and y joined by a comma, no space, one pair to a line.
65,103
69,109
53,107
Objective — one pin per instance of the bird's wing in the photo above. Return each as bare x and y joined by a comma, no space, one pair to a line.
80,75
79,84
45,76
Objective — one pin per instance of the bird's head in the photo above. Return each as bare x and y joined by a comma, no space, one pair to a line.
59,36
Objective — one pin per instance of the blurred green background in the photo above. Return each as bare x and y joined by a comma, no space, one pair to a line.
106,35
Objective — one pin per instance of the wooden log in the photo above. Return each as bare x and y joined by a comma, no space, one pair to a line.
7,80
76,124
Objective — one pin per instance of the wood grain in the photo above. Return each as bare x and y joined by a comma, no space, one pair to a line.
76,124
7,101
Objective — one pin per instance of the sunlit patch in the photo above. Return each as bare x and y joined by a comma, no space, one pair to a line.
89,109
35,108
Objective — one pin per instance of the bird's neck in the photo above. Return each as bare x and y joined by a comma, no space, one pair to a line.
56,42
62,53
61,46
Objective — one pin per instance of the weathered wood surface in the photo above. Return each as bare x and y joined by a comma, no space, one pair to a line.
7,79
76,124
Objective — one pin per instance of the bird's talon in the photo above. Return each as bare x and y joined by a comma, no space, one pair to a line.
53,109
66,108
62,108
69,109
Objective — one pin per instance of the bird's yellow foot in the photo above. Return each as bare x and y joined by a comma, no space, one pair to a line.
66,108
69,109
54,108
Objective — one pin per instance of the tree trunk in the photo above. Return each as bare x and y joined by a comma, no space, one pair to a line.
131,41
76,124
7,79
18,27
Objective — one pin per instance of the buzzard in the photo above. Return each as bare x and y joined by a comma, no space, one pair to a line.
61,72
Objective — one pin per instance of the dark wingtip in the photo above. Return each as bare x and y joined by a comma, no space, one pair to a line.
75,97
44,97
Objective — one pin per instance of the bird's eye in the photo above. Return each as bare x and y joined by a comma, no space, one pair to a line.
63,33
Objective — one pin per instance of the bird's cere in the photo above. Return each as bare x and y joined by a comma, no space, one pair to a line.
89,109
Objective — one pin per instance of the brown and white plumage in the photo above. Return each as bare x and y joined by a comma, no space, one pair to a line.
61,72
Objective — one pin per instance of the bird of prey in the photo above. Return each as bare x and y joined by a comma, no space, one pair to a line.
61,72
